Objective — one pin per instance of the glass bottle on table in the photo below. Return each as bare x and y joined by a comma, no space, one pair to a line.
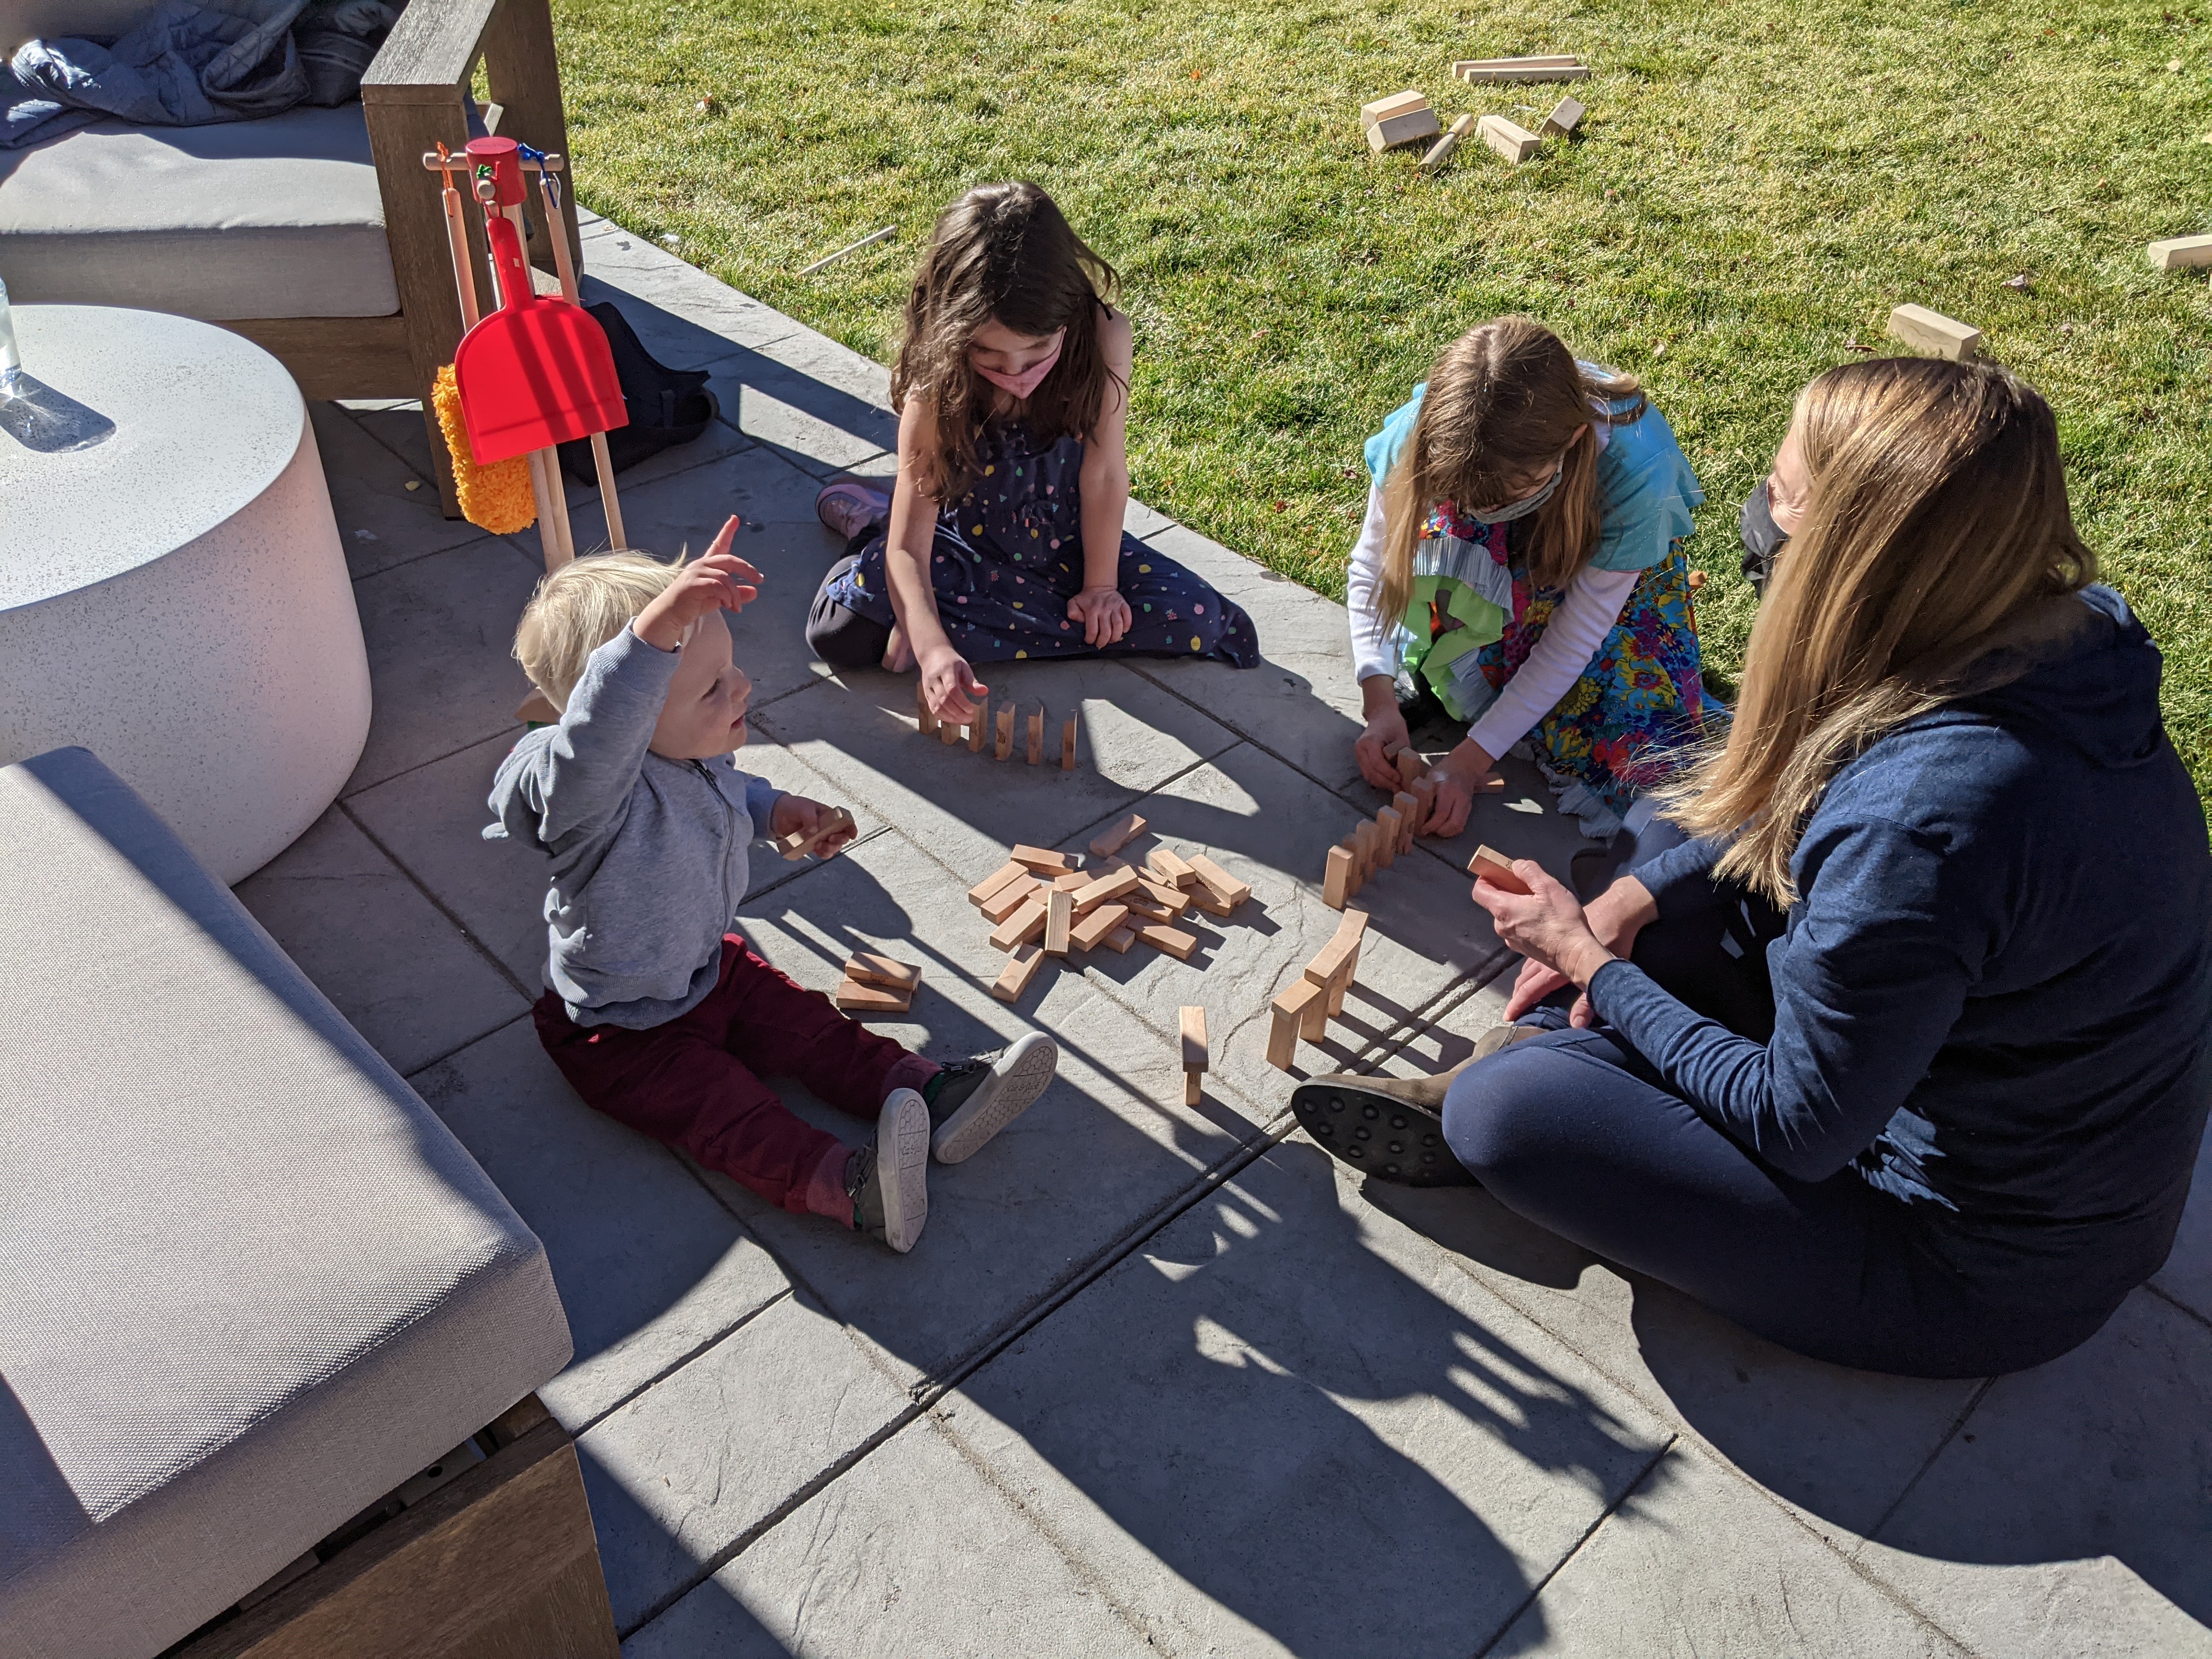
11,360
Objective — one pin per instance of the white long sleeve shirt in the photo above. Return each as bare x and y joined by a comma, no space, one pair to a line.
1577,626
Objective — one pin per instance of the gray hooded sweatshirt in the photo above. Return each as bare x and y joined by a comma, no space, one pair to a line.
649,853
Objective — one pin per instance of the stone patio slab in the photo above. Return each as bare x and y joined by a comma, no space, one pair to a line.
681,315
381,522
913,1554
1696,1562
364,934
1286,1425
650,1267
687,1469
2070,1514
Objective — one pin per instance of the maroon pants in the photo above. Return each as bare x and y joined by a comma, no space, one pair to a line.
693,1083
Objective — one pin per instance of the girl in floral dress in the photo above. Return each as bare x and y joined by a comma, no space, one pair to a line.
1002,537
1521,564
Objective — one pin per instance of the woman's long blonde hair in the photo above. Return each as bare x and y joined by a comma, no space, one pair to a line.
1504,400
1938,531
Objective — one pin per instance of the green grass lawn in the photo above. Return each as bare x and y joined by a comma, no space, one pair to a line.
1754,187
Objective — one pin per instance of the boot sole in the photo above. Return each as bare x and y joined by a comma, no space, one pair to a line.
1378,1136
1024,1073
902,1168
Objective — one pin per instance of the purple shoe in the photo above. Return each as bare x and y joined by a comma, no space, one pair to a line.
848,507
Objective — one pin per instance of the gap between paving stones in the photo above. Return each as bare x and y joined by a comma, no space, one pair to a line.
440,906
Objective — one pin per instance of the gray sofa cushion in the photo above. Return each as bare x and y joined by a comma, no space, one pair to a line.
248,1281
280,217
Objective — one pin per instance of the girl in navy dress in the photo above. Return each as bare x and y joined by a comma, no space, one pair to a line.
1002,537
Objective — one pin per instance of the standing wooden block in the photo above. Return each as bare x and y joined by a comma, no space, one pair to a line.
1173,940
1362,852
1169,868
996,883
853,997
1014,978
1195,1059
1121,939
1424,795
928,716
1444,146
1349,933
1336,884
948,731
1410,765
1118,835
1290,1011
1402,119
1059,916
1496,869
1388,827
1566,115
1036,736
1933,332
1516,143
1011,898
1408,808
1090,932
1042,860
1223,885
872,969
1067,745
1471,69
976,728
1024,924
2177,251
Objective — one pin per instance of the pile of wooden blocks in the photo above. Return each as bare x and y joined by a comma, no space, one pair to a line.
876,985
1317,996
1043,903
1407,117
1003,744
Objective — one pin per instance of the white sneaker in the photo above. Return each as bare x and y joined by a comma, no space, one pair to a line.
982,1095
888,1179
848,507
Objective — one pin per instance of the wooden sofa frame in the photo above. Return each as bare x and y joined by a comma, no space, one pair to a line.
417,94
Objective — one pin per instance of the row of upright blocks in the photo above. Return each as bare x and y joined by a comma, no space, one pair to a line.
1302,1011
1002,746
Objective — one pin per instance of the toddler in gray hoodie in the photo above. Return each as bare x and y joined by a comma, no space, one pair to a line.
656,1013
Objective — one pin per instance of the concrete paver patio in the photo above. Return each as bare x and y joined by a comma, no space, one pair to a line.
1159,1379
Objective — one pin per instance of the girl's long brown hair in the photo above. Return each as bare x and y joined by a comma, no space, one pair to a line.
1504,400
1002,251
1937,535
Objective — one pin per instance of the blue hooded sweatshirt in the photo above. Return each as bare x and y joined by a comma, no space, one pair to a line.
1993,994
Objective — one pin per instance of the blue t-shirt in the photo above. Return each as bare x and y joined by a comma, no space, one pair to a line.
1645,487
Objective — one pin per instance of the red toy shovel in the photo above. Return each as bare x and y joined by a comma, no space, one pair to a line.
538,371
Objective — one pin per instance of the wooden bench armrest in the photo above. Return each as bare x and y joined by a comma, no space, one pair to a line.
432,49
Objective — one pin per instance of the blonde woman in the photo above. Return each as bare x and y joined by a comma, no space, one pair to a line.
1902,1062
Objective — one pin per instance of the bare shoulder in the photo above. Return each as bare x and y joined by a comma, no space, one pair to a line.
1116,337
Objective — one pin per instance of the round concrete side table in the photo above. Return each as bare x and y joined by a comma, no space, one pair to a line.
176,599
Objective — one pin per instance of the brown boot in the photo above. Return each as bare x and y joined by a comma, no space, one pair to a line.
1392,1127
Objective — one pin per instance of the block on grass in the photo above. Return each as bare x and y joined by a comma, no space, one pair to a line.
1555,68
1402,119
1121,939
856,997
1388,828
1042,860
1496,869
1011,898
1110,886
1931,331
1090,932
872,969
1059,917
1004,745
1014,978
1117,836
1516,143
1442,151
1566,115
2177,251
1193,1023
1218,881
1026,923
1170,869
1336,884
1067,745
997,882
1036,736
1173,940
1289,1011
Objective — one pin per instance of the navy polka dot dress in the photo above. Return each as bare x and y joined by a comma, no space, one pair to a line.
1008,556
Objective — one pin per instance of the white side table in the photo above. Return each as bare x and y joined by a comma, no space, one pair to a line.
176,598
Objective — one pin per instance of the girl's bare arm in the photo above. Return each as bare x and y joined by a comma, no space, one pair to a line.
913,531
1105,476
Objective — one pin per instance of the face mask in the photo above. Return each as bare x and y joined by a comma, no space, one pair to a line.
1020,386
1524,507
1762,538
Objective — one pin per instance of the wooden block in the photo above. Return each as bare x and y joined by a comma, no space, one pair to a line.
1042,860
1193,1021
1141,905
1336,884
927,716
1397,104
1363,850
1408,806
1410,765
1019,928
1290,1011
1011,898
1402,119
1014,978
1090,932
975,729
1223,885
1313,1023
797,844
855,997
1933,332
2178,251
1166,898
1194,1090
1496,869
1074,882
948,733
1106,887
1004,745
1515,144
1471,69
872,969
996,883
1036,736
1425,794
1121,939
1059,915
1114,839
1213,903
1332,960
1566,115
1173,940
1170,869
1444,146
1388,827
1067,745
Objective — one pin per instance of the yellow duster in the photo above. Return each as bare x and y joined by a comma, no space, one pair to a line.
496,498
